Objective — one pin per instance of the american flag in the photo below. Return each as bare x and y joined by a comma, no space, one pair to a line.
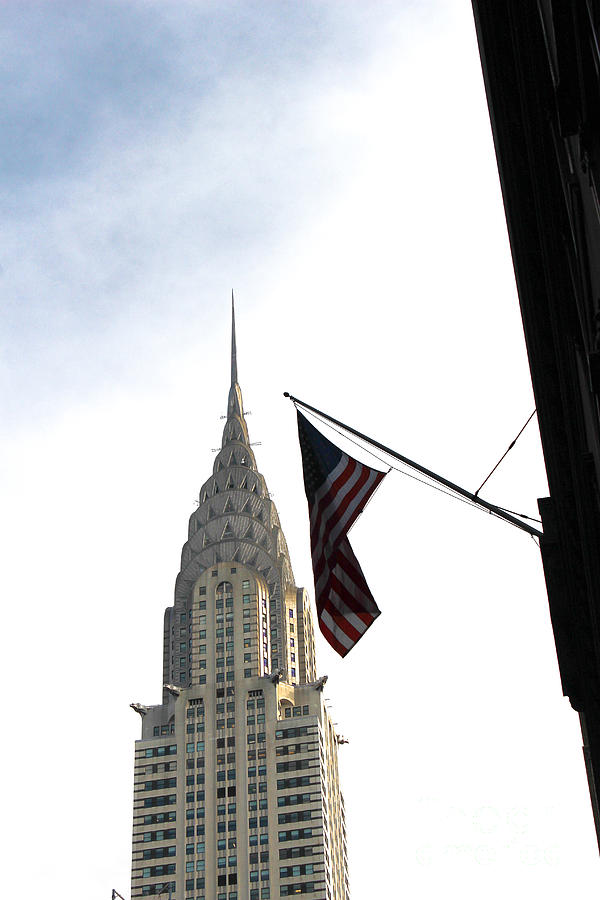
337,489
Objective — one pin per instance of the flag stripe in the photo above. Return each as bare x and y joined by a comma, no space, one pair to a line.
338,488
330,637
336,631
349,572
346,498
337,517
367,486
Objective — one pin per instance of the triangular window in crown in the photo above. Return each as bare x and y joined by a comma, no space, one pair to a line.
229,507
228,532
254,488
230,485
265,542
204,497
220,466
206,540
247,507
266,571
252,560
259,515
232,460
249,533
236,555
211,512
244,484
216,490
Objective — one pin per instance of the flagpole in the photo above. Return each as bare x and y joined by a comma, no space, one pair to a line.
494,510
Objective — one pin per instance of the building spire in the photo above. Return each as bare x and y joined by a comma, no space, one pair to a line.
234,376
235,406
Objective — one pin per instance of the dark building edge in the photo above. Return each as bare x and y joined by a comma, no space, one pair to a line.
541,65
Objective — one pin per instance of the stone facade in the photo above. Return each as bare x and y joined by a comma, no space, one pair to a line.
236,792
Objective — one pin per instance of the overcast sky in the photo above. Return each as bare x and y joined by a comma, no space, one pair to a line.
333,163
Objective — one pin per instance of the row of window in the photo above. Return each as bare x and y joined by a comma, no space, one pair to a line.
153,871
299,781
297,731
264,894
159,818
262,787
258,719
166,834
191,779
160,784
295,834
161,751
292,749
220,677
254,875
296,871
295,764
200,865
295,710
294,852
161,800
159,852
162,730
301,815
259,702
287,890
294,799
150,889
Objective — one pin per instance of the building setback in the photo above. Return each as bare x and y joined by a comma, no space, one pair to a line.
236,793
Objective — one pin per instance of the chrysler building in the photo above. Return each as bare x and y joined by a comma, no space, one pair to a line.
237,793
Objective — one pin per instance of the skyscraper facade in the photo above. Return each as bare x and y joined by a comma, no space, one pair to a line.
236,793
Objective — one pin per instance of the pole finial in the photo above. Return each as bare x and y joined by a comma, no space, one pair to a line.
234,376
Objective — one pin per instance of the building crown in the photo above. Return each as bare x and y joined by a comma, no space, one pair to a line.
236,520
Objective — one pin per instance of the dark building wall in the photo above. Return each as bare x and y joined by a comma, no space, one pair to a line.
541,65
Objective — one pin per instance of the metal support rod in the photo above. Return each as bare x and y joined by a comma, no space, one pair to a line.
494,510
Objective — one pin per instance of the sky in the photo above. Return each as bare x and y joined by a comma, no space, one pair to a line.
332,162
